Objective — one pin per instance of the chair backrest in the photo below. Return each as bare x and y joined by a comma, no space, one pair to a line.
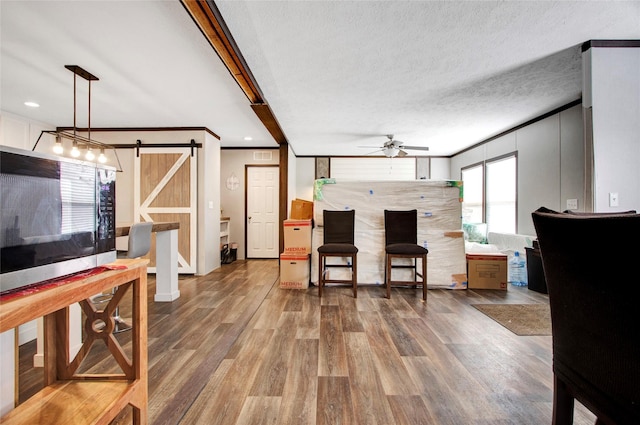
400,226
338,226
589,267
600,213
139,239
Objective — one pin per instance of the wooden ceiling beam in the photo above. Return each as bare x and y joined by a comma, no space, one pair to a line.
208,18
265,114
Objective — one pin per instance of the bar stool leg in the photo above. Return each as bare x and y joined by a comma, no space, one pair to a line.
320,275
424,277
354,275
388,276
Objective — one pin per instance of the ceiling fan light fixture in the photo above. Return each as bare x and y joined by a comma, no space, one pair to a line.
391,151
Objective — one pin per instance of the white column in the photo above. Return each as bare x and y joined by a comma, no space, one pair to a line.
167,266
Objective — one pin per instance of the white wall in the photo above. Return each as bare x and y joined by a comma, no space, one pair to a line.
572,149
538,147
612,84
292,187
208,205
440,169
232,202
305,176
550,163
21,133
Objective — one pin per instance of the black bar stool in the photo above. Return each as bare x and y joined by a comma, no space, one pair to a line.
338,241
401,241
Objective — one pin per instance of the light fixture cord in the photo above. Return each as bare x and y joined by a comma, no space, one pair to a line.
89,119
74,106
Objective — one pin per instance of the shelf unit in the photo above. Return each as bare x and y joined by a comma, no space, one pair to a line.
225,227
70,397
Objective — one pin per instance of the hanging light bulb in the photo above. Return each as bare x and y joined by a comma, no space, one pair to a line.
57,148
75,152
102,158
89,156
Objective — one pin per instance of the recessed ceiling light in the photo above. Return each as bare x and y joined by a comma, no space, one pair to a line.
248,138
32,104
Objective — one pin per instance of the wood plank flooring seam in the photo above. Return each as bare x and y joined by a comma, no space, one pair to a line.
174,411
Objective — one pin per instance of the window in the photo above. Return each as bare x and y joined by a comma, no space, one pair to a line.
490,194
78,195
473,187
500,206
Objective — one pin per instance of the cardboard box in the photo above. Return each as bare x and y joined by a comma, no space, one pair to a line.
294,271
297,236
301,210
487,271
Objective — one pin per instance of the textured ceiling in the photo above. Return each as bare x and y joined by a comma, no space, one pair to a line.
446,75
337,75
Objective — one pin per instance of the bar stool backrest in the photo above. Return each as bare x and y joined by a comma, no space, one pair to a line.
339,226
400,227
139,240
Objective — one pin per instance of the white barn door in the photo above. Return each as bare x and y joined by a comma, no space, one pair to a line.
166,190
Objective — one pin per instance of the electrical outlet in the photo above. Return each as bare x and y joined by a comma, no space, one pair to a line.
613,199
572,204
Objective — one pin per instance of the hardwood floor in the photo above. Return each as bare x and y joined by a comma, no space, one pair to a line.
236,349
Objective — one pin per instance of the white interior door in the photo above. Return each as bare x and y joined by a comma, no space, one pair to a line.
262,212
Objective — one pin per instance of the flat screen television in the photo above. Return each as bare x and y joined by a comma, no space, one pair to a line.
57,217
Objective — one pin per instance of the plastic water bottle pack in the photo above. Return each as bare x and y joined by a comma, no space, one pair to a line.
517,270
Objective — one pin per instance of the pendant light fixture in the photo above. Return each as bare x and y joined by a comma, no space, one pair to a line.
78,141
75,152
57,148
102,158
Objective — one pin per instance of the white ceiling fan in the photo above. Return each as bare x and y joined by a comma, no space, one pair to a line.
393,148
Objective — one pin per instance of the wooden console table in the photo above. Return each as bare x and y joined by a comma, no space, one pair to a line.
70,397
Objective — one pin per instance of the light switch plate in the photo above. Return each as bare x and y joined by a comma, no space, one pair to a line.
613,199
572,204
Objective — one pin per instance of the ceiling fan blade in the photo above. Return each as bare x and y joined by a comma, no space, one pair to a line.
417,148
376,151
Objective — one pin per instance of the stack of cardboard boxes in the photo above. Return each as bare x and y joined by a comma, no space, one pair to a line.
294,261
